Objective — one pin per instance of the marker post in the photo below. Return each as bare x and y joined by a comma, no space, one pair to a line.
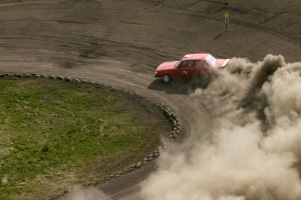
226,16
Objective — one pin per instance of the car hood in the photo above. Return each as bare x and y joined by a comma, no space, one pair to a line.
221,63
167,65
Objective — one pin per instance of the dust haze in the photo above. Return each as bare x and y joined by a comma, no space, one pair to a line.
252,150
90,193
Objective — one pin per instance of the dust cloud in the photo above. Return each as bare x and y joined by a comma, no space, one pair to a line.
91,193
252,150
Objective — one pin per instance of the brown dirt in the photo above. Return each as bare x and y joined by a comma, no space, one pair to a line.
121,42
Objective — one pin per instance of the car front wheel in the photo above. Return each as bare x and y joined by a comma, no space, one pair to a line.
166,78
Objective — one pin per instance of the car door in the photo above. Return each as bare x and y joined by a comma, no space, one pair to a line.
185,69
201,66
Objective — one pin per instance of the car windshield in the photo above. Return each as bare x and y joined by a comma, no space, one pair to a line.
178,64
210,60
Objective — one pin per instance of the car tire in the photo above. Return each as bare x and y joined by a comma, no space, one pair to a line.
166,78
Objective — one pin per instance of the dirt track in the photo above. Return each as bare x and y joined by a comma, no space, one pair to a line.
120,43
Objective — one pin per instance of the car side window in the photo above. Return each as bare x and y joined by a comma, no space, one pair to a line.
200,63
187,64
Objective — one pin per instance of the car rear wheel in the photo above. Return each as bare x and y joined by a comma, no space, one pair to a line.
166,78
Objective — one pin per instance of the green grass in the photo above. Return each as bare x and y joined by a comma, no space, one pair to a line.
55,135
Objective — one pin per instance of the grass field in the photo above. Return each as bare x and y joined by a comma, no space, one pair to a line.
56,136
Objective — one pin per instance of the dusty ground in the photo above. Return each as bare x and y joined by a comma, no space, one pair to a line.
120,42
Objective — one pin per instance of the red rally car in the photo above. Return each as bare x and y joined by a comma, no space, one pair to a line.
191,65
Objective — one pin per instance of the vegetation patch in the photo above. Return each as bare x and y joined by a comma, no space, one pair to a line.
56,136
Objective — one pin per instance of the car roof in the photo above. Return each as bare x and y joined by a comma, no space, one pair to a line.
195,56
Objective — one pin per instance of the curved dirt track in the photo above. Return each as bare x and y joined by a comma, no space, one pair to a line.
120,43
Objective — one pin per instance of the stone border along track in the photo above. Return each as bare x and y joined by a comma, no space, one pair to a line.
168,113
